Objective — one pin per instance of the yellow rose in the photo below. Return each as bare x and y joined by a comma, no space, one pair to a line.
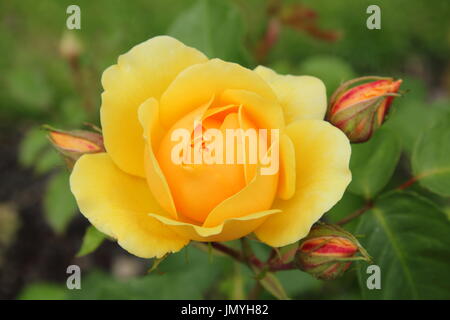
136,194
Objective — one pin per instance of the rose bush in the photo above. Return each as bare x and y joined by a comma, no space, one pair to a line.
152,206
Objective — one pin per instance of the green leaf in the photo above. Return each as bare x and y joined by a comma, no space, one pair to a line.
59,203
32,145
373,163
48,160
213,27
36,152
411,115
409,239
271,283
91,241
431,159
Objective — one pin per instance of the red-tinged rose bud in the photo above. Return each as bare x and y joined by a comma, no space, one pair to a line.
328,251
360,110
73,144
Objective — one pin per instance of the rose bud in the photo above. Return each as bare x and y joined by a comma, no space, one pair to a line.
73,144
70,46
360,110
328,251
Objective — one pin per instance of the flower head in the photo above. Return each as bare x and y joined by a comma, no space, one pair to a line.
360,110
73,144
140,192
328,251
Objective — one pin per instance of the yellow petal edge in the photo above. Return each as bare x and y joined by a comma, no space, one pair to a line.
118,204
322,156
301,97
143,72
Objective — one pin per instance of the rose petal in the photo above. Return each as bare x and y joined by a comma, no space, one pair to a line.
118,205
287,176
198,83
301,97
257,196
322,164
265,113
229,230
153,133
143,72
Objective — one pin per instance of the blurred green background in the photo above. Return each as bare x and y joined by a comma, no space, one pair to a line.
41,230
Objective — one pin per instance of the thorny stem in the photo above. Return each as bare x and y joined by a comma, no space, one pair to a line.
369,204
355,214
237,255
228,251
408,183
252,260
283,266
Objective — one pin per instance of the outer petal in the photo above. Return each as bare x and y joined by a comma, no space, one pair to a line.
286,184
143,72
195,85
229,230
118,204
301,97
322,163
153,133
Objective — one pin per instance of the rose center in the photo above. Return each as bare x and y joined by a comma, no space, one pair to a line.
197,187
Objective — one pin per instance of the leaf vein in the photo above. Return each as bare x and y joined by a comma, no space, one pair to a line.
382,221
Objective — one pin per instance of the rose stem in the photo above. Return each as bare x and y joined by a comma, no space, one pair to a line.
236,254
369,204
408,183
355,214
252,260
282,267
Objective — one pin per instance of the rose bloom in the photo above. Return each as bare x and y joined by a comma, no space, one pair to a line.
136,194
